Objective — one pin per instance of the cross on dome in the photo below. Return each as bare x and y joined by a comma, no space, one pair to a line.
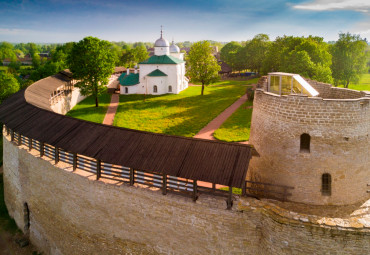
161,42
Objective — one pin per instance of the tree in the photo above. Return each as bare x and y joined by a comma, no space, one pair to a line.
202,66
349,59
117,53
128,58
131,57
229,54
8,85
255,52
91,62
309,57
14,67
141,53
6,51
36,61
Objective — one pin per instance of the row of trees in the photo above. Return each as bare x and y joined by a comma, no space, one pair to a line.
342,62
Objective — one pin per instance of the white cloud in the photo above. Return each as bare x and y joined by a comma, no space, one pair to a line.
329,5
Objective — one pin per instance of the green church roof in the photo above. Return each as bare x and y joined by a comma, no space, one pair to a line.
157,72
129,80
164,59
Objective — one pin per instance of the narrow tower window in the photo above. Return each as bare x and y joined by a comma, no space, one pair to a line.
169,88
126,90
155,89
26,214
326,184
305,143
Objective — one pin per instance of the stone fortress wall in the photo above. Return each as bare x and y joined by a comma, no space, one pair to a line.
72,213
66,212
338,122
66,103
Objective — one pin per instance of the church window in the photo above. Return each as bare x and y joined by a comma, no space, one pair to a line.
126,90
155,89
169,88
326,184
305,143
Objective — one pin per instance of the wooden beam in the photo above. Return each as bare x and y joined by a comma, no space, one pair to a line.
229,201
195,190
164,184
74,161
30,144
19,139
98,169
56,155
42,148
132,176
244,190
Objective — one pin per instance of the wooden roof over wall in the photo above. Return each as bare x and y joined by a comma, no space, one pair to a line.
39,92
204,160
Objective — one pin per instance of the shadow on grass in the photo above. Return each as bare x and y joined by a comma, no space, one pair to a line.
184,114
86,109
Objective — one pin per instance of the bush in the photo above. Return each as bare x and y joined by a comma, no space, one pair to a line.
250,94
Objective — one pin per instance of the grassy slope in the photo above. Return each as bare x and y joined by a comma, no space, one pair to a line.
184,114
237,127
364,83
86,109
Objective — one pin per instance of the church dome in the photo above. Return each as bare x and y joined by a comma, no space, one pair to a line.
161,42
174,48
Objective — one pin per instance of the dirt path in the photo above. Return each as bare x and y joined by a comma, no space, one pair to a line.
112,109
207,131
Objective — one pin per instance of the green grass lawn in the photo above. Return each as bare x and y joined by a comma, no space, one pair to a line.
363,84
86,109
237,127
183,114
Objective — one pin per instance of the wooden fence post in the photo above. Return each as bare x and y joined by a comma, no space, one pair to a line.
74,161
29,144
41,149
244,188
56,155
98,169
164,184
214,187
19,139
229,201
195,190
132,176
11,135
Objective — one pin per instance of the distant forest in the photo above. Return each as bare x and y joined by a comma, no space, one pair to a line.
338,62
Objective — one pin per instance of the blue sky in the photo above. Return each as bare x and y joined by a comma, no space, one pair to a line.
191,20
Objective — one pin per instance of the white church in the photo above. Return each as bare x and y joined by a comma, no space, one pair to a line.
162,73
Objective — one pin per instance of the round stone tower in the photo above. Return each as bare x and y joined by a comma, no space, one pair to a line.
319,145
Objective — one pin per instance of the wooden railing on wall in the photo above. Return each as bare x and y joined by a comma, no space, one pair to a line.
267,190
105,170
